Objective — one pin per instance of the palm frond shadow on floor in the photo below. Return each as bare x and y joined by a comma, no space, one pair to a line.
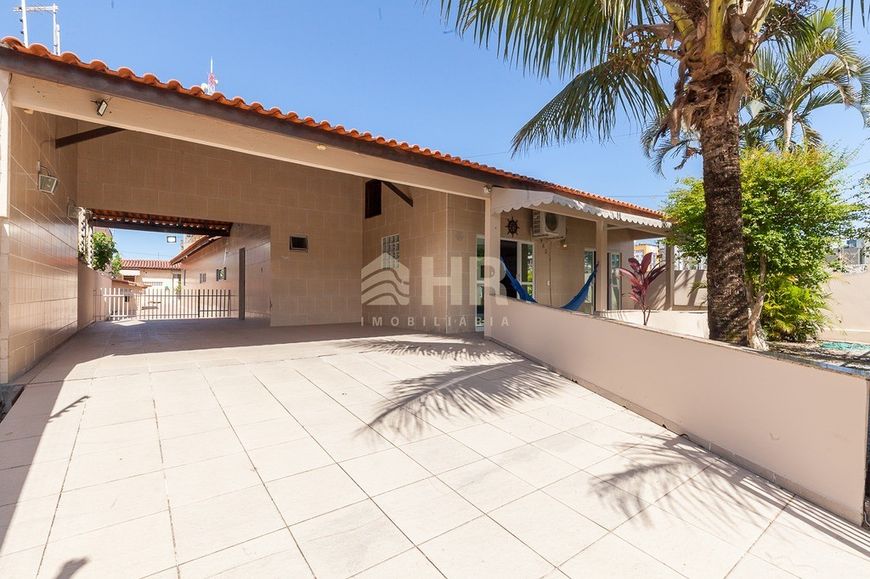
731,485
481,391
460,350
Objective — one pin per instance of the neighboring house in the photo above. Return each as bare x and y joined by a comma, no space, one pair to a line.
154,274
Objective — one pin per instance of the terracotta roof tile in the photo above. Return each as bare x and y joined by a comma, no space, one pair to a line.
147,264
10,42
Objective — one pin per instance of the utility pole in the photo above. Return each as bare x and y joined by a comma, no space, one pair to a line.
55,27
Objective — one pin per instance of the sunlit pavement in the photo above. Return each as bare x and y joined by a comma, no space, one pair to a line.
192,449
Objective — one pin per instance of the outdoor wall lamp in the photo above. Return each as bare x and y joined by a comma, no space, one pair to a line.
102,106
47,183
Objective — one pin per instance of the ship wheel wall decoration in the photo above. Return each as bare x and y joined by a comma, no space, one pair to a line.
513,227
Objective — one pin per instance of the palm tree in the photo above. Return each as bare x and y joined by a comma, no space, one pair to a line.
617,54
804,75
789,83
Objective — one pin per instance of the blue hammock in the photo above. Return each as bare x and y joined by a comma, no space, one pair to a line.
573,305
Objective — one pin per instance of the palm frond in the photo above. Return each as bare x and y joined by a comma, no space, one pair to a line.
537,35
589,104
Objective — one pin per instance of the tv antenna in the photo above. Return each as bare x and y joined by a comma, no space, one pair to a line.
52,9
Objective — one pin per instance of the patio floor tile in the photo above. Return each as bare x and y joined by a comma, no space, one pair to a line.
313,493
214,524
26,524
486,439
440,453
282,460
545,525
613,557
486,485
199,447
411,563
102,467
683,547
534,465
481,548
349,540
135,548
605,504
573,449
426,509
92,508
270,432
206,479
272,555
384,471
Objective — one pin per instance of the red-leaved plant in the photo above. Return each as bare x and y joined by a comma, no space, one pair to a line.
641,276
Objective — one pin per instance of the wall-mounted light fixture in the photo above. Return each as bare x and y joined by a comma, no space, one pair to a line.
171,239
102,106
47,183
320,147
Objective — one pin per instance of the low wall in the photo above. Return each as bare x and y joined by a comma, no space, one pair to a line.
849,305
90,284
800,426
690,292
687,323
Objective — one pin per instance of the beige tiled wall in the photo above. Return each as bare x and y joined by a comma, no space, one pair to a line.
41,246
224,252
143,173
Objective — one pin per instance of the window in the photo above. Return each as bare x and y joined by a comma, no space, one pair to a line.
373,198
220,274
390,251
298,243
614,297
203,277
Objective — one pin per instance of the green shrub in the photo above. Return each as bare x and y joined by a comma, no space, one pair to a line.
792,312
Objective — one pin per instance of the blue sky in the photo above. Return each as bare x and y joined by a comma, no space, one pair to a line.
389,67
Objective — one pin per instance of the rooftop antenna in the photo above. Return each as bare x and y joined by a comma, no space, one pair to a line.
211,86
55,27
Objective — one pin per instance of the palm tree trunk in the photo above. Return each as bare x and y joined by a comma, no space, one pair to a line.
727,301
787,131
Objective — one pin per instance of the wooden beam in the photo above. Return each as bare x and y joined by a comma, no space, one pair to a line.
404,196
85,136
112,224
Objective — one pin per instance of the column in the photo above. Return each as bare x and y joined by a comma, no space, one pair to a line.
5,196
602,281
671,277
492,236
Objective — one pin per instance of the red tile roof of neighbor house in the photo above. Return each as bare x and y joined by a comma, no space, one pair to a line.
147,264
72,59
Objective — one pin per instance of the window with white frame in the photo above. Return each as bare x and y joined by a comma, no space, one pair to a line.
390,251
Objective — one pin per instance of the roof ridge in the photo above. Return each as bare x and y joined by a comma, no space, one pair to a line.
70,58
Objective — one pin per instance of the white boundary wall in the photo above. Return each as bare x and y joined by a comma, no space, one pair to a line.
800,426
689,323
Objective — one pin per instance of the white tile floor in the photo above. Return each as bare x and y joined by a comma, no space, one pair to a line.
182,449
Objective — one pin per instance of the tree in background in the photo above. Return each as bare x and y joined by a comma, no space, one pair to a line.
620,56
791,80
804,74
794,215
105,254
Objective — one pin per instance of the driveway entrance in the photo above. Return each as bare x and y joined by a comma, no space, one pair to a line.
176,448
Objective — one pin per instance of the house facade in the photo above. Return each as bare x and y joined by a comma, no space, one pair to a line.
301,211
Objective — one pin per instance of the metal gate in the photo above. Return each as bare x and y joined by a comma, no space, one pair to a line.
160,304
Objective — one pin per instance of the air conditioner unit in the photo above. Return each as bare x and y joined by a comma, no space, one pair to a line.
545,224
